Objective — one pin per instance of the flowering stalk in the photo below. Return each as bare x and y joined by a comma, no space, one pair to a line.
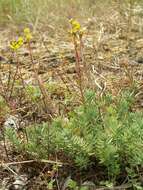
77,32
78,69
15,45
46,98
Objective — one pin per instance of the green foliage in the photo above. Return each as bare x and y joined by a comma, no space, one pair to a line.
12,136
4,108
107,184
50,185
33,92
72,184
104,128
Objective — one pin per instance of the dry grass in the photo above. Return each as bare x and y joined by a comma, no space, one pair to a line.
100,16
36,13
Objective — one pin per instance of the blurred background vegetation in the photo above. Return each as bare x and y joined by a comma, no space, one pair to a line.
50,12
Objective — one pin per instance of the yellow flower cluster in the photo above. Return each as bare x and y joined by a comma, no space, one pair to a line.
76,28
16,44
27,34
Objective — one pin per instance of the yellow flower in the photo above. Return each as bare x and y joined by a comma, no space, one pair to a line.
16,44
26,30
27,34
75,26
